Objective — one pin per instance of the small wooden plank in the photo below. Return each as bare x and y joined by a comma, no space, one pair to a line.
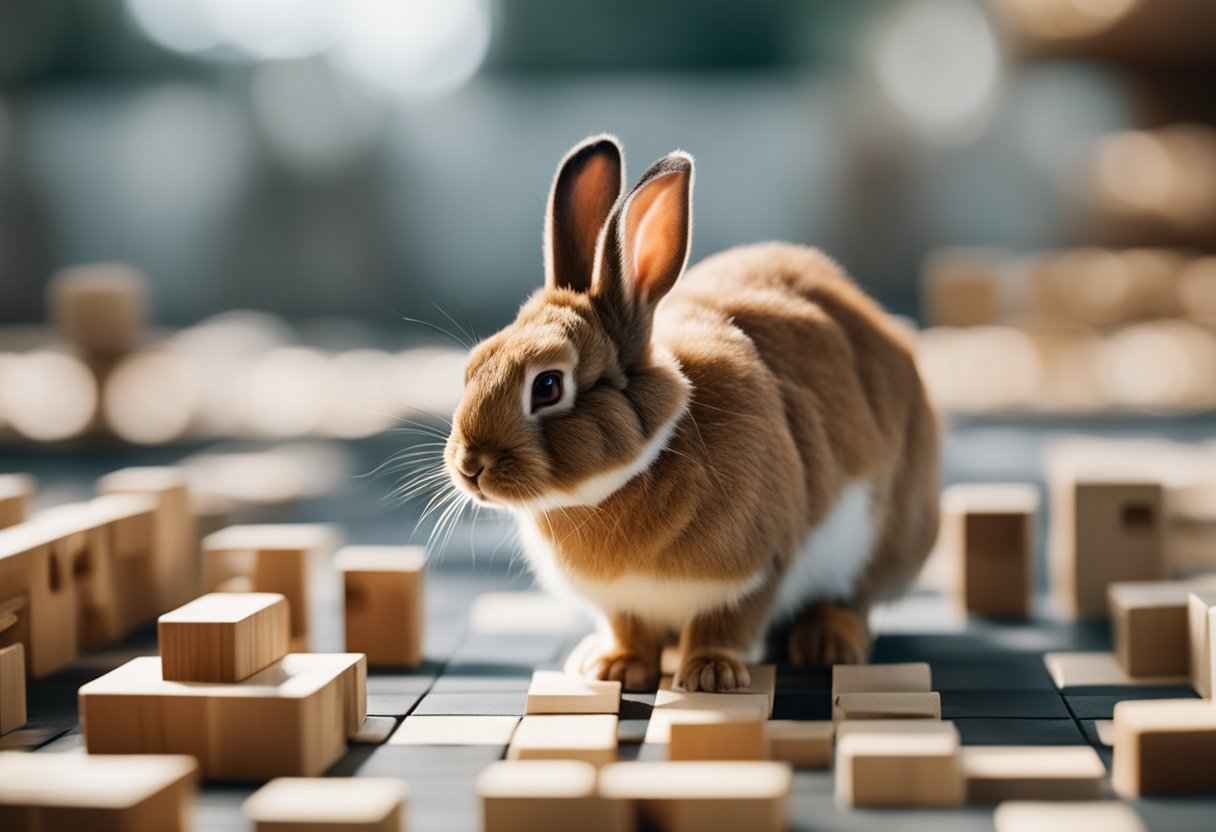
1098,668
1086,816
998,773
455,730
887,705
587,737
548,796
1164,746
223,636
727,739
554,692
802,744
328,804
383,602
905,677
763,683
916,764
697,707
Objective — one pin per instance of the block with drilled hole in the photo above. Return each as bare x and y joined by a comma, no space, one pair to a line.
383,602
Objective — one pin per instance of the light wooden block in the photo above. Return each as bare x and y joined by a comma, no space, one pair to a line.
1164,746
1105,729
12,687
223,637
1149,627
763,683
1201,631
908,677
383,602
1097,668
291,719
726,739
587,737
49,792
101,307
554,692
1103,532
1088,816
887,705
801,744
696,707
548,796
703,796
997,773
988,531
455,730
328,804
16,493
911,766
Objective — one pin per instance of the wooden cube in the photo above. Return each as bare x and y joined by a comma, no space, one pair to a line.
881,766
383,602
45,792
887,705
988,530
554,692
801,744
548,796
1086,816
909,677
1097,669
1164,746
998,773
328,804
223,637
725,739
960,287
12,687
16,493
700,796
1149,627
697,707
455,730
291,719
1103,532
587,737
100,307
1201,627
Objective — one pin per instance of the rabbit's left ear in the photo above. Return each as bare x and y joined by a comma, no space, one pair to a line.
587,185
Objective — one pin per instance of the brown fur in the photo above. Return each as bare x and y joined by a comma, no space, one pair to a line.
795,385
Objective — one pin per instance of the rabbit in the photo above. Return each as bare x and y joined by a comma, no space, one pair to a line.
702,455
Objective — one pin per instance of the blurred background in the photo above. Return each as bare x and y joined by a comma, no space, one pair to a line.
251,219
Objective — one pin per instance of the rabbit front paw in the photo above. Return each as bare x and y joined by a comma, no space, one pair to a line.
829,634
712,670
631,670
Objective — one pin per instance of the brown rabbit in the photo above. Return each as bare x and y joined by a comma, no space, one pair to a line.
699,456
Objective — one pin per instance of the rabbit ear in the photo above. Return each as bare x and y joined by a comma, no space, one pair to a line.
587,185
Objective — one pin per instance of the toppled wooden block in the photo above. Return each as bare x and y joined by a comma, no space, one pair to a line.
998,773
587,737
12,687
1097,668
908,677
1164,746
100,307
1149,627
725,739
293,718
763,683
1201,627
328,804
223,636
801,744
887,705
455,730
16,493
699,796
554,692
383,602
988,530
1087,816
43,792
548,796
917,764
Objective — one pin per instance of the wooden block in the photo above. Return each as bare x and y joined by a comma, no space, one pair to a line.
455,730
383,602
101,307
1149,627
960,287
914,766
588,737
48,792
702,796
328,804
988,531
1020,772
548,796
12,688
176,552
16,493
1096,668
726,739
1088,816
801,744
697,707
291,719
763,683
37,588
1105,728
223,637
910,677
554,692
920,705
1164,746
1103,532
1201,627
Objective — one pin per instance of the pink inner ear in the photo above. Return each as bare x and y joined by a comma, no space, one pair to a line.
656,231
593,195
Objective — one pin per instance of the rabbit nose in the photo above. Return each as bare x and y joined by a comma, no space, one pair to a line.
470,464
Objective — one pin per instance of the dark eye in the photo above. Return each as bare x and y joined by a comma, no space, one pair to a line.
546,390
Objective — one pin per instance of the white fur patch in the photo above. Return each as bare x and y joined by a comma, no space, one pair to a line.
828,564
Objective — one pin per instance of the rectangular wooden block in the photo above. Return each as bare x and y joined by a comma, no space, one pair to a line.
1201,627
16,493
908,677
988,530
1164,746
383,602
548,796
727,739
1103,532
587,737
38,589
801,744
328,804
100,307
910,766
887,705
455,730
223,636
48,792
699,796
1097,668
1098,815
696,707
1149,627
998,773
12,688
763,683
291,719
554,692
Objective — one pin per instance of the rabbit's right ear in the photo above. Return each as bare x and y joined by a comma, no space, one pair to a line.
588,182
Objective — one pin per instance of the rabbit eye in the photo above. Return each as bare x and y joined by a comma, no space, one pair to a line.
546,390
